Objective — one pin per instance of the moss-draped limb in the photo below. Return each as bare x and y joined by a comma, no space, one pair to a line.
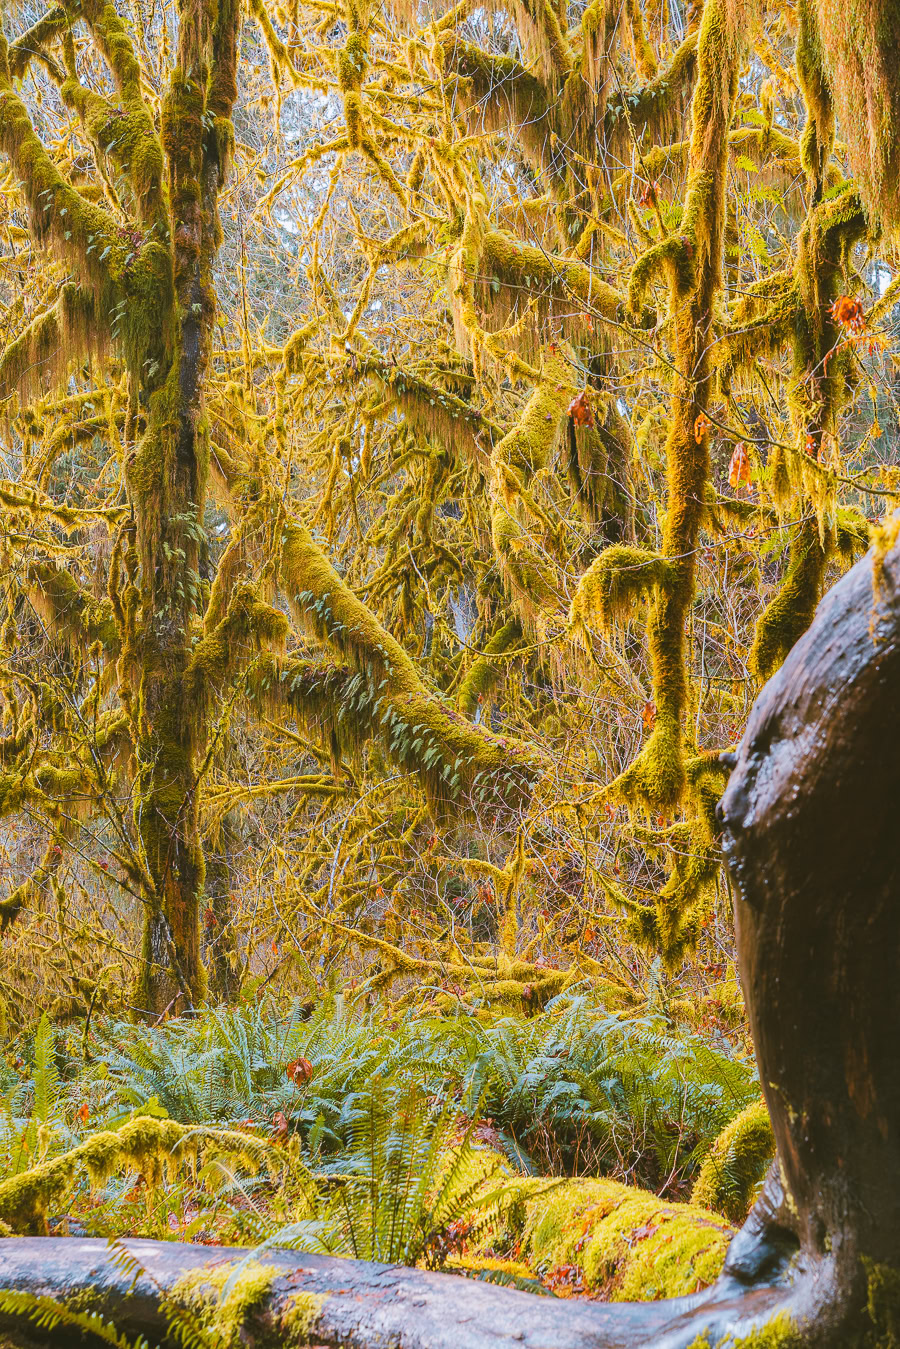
454,757
112,267
817,390
34,40
509,264
612,587
485,673
153,1148
69,610
29,889
791,610
518,524
428,407
64,333
817,141
563,125
126,133
35,505
655,108
787,616
247,626
692,263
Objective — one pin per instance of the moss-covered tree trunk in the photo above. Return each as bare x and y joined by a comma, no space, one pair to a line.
146,289
167,481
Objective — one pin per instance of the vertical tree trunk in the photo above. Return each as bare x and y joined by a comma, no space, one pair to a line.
221,945
168,483
813,846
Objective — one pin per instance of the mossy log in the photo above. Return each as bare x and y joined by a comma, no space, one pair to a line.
814,853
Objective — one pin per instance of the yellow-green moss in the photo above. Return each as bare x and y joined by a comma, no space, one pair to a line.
226,1297
612,586
485,673
151,1147
736,1164
628,1243
299,1321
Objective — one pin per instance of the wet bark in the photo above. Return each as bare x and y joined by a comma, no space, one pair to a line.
813,849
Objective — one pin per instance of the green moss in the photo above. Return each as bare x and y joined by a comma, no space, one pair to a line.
882,1305
630,1245
779,1333
610,589
790,612
299,1321
736,1165
485,674
228,1299
817,139
151,1147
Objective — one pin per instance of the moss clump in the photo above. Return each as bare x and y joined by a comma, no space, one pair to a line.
151,1147
779,1333
227,1298
611,588
627,1243
736,1165
299,1321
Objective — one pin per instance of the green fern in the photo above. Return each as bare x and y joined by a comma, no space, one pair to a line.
48,1314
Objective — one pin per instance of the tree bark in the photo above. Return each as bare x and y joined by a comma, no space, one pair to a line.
813,848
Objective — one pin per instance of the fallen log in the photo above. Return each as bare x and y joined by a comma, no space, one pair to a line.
813,847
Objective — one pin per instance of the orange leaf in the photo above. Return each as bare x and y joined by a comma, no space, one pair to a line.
299,1071
701,426
739,469
648,715
580,410
848,313
649,196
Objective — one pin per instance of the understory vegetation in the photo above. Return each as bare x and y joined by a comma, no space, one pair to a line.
423,430
439,1139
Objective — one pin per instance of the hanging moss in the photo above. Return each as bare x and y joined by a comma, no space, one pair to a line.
485,674
817,140
41,356
860,39
517,521
611,588
248,625
69,611
151,1147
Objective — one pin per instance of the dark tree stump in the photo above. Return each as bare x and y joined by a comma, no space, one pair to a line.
811,823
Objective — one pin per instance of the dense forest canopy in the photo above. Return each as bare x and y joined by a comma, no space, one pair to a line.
423,432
